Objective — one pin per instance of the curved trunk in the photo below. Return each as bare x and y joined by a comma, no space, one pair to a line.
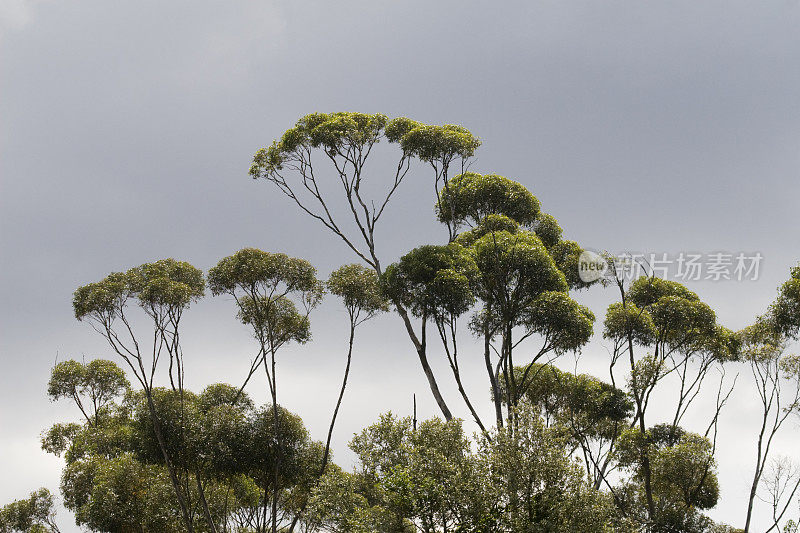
423,359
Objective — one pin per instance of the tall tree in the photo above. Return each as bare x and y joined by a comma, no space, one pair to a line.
361,295
266,286
776,376
679,336
163,290
346,140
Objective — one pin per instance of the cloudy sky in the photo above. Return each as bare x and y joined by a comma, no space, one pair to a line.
127,128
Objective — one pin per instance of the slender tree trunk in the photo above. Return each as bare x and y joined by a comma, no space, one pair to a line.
339,401
498,401
206,511
758,471
277,447
423,359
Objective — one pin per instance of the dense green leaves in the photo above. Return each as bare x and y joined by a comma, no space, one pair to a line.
432,477
437,143
433,281
91,385
346,133
251,269
586,406
359,288
263,284
469,198
785,312
166,285
683,475
564,324
34,514
514,270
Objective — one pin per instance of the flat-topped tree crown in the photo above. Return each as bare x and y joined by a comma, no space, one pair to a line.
257,272
626,321
360,289
680,318
514,270
338,134
434,281
666,313
438,144
159,287
166,283
646,291
263,284
564,324
102,299
470,197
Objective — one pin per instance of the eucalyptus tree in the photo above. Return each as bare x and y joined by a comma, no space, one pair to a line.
115,478
517,282
593,413
344,141
360,291
683,478
679,336
436,283
267,288
525,270
163,290
35,514
776,376
785,311
92,386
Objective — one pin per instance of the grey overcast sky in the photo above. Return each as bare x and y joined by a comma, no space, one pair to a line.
127,128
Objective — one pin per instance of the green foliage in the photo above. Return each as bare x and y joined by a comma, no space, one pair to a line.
515,269
547,229
489,224
262,283
347,133
624,321
785,311
433,281
566,255
665,313
646,291
432,477
439,143
275,318
683,476
251,270
336,133
116,480
586,406
536,486
32,515
166,286
469,198
95,383
339,507
360,289
564,324
124,495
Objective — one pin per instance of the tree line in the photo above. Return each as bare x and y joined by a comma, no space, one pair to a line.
563,451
